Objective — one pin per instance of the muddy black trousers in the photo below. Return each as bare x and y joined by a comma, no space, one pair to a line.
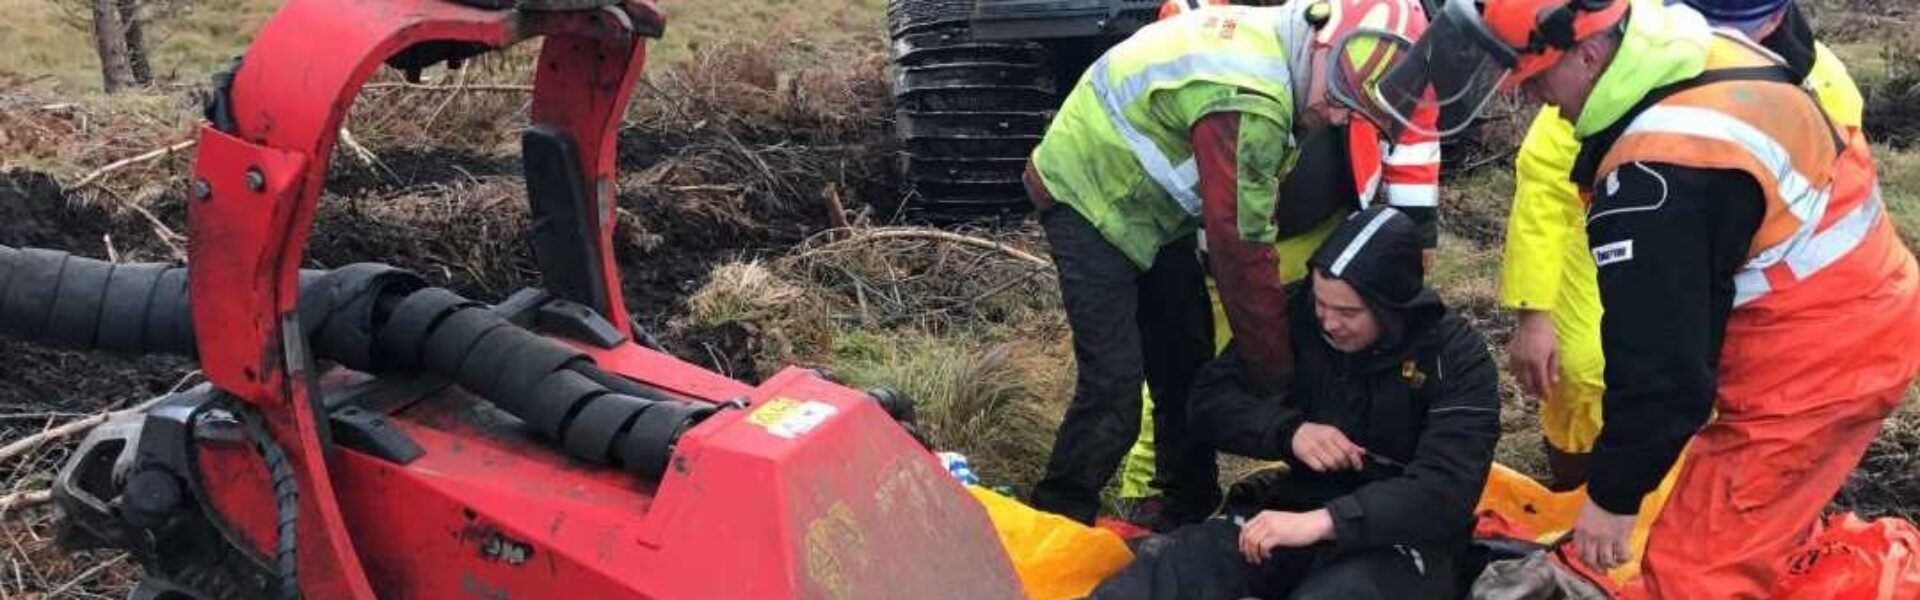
1203,562
1128,326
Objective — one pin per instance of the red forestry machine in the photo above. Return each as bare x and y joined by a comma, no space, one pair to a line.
362,435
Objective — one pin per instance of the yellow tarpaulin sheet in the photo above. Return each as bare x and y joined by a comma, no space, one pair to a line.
1057,558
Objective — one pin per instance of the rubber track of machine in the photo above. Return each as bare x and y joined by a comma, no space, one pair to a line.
969,112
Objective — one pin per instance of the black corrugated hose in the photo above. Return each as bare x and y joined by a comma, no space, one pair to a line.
367,317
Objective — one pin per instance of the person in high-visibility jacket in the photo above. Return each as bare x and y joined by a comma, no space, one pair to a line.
1762,315
1404,174
1189,124
1547,274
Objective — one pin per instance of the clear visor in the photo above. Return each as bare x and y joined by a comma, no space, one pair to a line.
1355,63
1440,84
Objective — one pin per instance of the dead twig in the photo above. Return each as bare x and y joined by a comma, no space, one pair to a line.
39,416
68,429
86,575
1010,283
428,87
165,234
149,156
365,156
895,233
836,210
23,500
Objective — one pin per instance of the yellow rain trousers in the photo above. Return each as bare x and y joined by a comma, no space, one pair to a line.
1545,267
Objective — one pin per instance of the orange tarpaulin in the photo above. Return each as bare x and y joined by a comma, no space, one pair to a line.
1516,506
1847,558
1853,559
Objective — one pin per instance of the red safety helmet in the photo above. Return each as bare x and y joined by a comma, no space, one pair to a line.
1355,43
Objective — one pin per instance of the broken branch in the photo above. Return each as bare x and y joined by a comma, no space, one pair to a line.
469,87
65,430
149,156
23,500
935,234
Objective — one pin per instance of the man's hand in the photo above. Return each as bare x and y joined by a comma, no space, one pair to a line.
1279,529
1324,448
1427,257
1601,537
1534,353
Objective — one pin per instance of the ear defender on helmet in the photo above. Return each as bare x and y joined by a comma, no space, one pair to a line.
1318,14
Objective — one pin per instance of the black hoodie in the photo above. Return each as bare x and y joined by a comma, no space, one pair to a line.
1423,402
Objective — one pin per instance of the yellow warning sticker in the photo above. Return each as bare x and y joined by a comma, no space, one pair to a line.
789,418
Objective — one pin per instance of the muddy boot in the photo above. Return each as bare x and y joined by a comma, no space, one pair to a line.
1569,469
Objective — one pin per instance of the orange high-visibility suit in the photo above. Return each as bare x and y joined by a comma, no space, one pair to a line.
1821,315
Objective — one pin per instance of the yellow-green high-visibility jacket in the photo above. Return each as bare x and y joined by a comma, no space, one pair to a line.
1118,151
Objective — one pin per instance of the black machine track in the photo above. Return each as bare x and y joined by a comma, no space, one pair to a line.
968,112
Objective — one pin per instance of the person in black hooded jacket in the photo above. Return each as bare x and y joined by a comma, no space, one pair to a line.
1387,423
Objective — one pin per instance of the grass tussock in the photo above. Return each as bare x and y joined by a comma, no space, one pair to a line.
970,329
974,398
769,320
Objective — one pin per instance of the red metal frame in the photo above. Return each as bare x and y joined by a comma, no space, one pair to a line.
848,506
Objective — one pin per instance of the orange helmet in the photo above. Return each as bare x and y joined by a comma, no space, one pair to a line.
1543,29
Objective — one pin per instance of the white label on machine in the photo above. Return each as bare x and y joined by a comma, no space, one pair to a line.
790,419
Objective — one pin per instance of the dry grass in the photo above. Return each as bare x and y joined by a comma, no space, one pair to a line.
773,320
974,397
465,234
42,42
35,566
927,283
971,332
1844,21
814,30
1893,99
1900,188
1888,480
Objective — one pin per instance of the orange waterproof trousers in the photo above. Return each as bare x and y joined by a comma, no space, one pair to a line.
1752,486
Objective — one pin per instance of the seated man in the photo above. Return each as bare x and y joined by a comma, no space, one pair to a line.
1387,423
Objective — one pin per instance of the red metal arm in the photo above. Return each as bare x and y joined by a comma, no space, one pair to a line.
256,186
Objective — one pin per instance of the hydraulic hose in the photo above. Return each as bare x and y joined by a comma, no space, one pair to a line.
52,296
371,318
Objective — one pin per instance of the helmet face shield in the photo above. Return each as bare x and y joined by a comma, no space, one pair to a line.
1452,71
1357,62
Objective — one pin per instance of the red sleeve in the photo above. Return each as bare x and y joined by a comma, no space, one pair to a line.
1246,273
